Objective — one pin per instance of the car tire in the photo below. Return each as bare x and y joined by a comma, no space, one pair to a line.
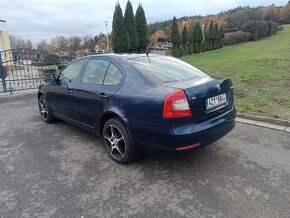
118,142
45,110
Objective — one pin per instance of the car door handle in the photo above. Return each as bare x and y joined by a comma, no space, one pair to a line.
69,91
103,96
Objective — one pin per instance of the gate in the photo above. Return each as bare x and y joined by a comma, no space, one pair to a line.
22,69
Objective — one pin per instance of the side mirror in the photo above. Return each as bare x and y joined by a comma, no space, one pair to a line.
50,78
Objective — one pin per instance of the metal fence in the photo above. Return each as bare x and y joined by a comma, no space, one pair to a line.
22,69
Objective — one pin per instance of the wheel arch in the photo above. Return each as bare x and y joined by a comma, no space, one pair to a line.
107,116
40,93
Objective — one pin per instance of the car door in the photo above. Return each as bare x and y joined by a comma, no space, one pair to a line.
100,80
60,95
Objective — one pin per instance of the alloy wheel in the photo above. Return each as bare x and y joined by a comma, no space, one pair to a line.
115,141
43,109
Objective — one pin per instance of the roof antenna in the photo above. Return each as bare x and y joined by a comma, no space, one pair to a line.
148,50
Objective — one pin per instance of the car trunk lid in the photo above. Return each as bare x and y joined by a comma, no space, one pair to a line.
208,96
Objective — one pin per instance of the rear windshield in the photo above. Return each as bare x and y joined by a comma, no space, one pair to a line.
166,69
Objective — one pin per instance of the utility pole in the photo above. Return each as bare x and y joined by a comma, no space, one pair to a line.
106,22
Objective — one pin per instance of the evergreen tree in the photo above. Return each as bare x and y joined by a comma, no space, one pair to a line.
184,40
175,38
141,27
194,39
216,36
206,42
184,35
211,36
197,38
190,42
130,24
120,39
222,36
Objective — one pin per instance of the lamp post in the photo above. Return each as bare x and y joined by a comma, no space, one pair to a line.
106,22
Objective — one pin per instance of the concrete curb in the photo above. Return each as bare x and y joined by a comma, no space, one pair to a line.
265,119
263,124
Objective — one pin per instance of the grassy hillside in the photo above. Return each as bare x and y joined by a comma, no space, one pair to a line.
260,71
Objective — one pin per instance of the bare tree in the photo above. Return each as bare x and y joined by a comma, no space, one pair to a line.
89,43
29,44
16,42
43,46
74,43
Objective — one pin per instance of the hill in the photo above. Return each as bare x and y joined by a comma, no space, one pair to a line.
231,20
260,71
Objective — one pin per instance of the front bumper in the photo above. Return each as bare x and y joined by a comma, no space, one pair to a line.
150,137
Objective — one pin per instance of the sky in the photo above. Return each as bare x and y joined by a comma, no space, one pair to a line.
43,19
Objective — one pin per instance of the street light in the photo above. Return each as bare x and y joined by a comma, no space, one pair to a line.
106,22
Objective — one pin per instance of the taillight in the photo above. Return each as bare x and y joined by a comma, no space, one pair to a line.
176,105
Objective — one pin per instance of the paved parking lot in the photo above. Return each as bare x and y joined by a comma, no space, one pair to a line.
57,170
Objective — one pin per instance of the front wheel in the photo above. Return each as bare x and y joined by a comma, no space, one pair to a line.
118,143
44,109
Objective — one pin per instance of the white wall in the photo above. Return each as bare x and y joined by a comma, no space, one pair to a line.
3,26
1,43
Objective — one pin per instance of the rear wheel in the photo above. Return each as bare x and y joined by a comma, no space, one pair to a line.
44,109
118,143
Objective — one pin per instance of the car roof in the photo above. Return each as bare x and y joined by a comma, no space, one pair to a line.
121,56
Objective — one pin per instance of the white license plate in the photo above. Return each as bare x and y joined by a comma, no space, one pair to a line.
215,101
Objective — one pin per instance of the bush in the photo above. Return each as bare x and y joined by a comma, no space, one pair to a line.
231,30
50,60
236,37
258,29
279,28
176,52
272,28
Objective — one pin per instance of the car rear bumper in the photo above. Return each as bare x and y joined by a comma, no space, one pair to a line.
150,137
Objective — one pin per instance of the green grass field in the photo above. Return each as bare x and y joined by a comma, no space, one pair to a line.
260,71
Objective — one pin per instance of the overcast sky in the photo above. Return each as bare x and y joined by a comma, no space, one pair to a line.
37,20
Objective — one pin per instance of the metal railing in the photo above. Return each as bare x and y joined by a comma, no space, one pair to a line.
22,69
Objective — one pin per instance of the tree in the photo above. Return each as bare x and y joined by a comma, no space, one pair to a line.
190,42
284,15
28,44
272,28
16,42
216,42
211,36
120,38
61,44
141,27
130,24
74,43
197,38
270,13
258,29
43,46
89,43
222,36
184,40
175,37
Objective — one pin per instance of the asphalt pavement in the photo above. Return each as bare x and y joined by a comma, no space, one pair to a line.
58,170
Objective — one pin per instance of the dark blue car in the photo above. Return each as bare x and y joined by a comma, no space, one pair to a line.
138,103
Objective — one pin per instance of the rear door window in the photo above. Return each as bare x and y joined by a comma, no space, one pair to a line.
95,71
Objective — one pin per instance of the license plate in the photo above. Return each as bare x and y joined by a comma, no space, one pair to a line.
215,101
